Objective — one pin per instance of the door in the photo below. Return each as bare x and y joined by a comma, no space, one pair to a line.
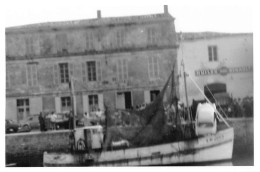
128,100
124,100
120,100
154,94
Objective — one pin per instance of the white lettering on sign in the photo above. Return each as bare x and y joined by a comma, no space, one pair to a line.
223,70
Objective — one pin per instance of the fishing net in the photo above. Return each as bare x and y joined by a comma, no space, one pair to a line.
149,123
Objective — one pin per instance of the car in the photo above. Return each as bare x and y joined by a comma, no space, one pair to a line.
31,122
11,126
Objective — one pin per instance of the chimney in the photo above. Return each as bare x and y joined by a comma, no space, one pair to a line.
98,14
165,9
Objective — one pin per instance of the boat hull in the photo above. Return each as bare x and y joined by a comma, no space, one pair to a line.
216,147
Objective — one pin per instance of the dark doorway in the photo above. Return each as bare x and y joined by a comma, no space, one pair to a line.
124,100
128,100
154,94
214,88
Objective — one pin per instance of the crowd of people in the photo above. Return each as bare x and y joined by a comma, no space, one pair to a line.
240,107
51,121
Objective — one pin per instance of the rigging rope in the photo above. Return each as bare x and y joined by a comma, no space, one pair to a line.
209,101
216,101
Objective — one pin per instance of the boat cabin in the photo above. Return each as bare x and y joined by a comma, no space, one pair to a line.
205,122
89,137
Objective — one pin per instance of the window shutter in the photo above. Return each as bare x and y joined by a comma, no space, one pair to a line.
84,72
35,105
125,69
147,96
11,109
156,64
99,72
85,104
101,102
35,75
29,76
210,53
71,69
56,77
57,105
215,53
8,84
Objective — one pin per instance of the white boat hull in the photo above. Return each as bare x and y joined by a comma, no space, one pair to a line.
203,149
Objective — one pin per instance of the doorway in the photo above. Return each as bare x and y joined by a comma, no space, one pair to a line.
124,100
154,94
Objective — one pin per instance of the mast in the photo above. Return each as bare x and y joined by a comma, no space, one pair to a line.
186,92
185,84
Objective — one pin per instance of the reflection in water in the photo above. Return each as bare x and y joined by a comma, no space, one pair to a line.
239,159
222,163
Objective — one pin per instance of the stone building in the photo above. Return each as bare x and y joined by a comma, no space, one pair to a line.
222,61
120,61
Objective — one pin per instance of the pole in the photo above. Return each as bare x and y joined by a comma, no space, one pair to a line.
74,108
186,94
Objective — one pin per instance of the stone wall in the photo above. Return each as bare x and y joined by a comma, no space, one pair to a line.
28,148
34,55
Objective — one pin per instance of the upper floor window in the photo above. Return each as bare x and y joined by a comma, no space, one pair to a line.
151,36
66,103
29,46
92,74
213,54
62,42
32,74
120,39
153,68
46,45
122,70
64,72
91,71
89,41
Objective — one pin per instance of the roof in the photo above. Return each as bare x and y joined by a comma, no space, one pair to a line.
193,36
93,22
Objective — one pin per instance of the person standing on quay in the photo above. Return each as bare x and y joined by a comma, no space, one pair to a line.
41,121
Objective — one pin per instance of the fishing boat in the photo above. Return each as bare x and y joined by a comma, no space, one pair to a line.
204,141
215,147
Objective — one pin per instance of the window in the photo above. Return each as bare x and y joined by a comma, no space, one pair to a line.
89,41
122,70
64,72
92,75
153,67
29,46
213,55
93,102
23,109
47,45
151,36
120,39
65,103
61,43
32,79
91,70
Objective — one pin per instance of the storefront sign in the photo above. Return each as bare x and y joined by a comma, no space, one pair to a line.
223,70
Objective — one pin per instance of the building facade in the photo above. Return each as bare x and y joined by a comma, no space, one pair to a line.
120,62
216,59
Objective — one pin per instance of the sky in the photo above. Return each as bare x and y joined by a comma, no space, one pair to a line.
190,16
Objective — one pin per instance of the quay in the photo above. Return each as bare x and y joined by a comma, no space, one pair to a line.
27,148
